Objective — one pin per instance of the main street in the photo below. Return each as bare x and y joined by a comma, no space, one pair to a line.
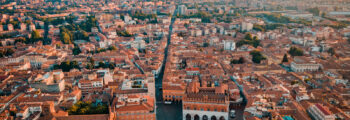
164,111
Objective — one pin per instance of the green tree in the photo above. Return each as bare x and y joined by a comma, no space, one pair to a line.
111,66
112,48
15,23
257,57
84,108
92,62
241,60
21,40
122,16
66,66
89,66
249,40
35,34
205,44
35,37
101,64
124,33
315,11
74,64
66,35
2,54
66,38
294,51
294,82
306,80
89,23
331,51
277,18
9,52
259,28
248,36
76,50
81,35
285,58
234,61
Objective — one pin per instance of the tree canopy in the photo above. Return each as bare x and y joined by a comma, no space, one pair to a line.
67,66
249,40
85,108
285,58
124,33
35,37
142,16
6,52
66,35
257,57
266,27
331,51
76,50
315,11
238,61
205,17
294,51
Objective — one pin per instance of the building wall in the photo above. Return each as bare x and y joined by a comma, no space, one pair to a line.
58,87
202,113
316,114
172,95
305,67
145,115
209,109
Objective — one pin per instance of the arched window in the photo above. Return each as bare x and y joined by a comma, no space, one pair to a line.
222,118
205,117
196,117
188,117
213,118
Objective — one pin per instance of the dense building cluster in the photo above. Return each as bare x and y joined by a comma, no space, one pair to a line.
174,60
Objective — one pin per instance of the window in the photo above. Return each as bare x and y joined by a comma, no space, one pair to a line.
215,109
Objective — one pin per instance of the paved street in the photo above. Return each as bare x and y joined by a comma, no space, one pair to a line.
164,111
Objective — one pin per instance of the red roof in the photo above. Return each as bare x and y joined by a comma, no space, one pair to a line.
3,77
192,69
323,110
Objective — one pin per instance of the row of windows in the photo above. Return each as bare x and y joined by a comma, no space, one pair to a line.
169,96
208,109
137,117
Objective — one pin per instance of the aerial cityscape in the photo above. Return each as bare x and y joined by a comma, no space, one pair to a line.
174,60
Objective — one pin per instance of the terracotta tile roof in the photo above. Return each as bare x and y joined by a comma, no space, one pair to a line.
84,117
134,108
323,110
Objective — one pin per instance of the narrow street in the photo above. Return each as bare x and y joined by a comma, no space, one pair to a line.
164,111
8,103
239,109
